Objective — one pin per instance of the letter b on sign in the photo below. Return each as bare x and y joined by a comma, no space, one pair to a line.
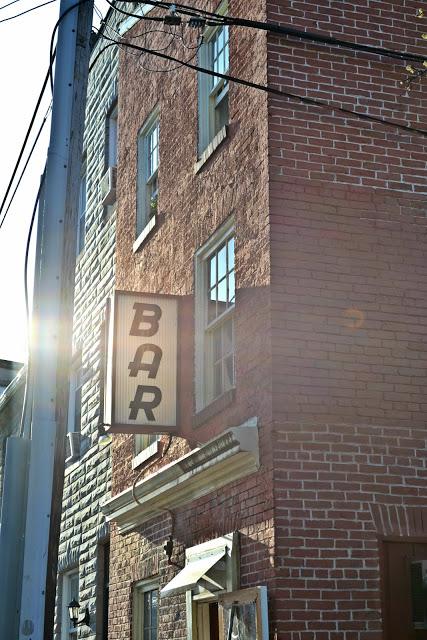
145,314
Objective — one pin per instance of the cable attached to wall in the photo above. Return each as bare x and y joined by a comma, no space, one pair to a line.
285,94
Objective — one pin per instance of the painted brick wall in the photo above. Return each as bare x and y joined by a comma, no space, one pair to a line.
347,222
87,480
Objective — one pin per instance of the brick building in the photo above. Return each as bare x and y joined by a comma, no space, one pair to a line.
293,236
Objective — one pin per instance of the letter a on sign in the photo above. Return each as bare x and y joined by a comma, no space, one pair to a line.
141,381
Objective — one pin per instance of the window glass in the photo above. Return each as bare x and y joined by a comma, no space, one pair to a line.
148,170
214,316
240,621
112,138
70,591
213,91
145,619
419,593
220,323
221,293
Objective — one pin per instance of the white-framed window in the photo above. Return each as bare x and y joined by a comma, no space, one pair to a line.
145,611
148,174
215,302
74,410
81,213
111,150
213,91
70,591
75,403
146,446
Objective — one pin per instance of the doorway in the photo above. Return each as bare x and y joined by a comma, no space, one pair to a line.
207,621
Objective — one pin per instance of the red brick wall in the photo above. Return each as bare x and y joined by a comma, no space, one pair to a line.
330,211
320,144
347,224
191,207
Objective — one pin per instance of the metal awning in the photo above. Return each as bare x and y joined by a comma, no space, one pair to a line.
194,571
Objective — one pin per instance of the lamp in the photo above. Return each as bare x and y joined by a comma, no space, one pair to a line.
104,438
73,610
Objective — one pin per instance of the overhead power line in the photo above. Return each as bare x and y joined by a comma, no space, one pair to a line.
28,160
24,144
272,90
27,11
8,4
276,28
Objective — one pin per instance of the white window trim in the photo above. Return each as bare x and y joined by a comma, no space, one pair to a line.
146,453
76,368
211,148
112,140
137,610
81,215
66,624
144,224
144,233
206,125
227,229
128,23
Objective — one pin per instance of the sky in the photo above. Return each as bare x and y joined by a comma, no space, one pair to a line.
24,55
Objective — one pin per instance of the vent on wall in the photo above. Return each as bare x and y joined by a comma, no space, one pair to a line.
108,186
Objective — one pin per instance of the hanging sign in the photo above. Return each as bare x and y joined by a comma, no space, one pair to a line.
141,381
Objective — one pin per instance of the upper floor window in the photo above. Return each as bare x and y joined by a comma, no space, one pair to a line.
111,149
148,171
74,410
215,300
81,213
109,180
213,91
146,446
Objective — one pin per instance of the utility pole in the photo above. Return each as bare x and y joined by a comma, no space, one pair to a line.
55,261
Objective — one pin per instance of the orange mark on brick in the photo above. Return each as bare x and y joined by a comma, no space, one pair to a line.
355,318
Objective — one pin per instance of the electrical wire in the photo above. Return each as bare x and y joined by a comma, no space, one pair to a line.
273,91
27,308
24,144
174,37
28,159
8,4
288,31
27,11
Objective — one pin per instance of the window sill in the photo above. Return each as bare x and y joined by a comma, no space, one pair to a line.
211,148
216,406
151,224
145,454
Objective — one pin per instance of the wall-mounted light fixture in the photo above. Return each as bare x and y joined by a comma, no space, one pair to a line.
73,610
